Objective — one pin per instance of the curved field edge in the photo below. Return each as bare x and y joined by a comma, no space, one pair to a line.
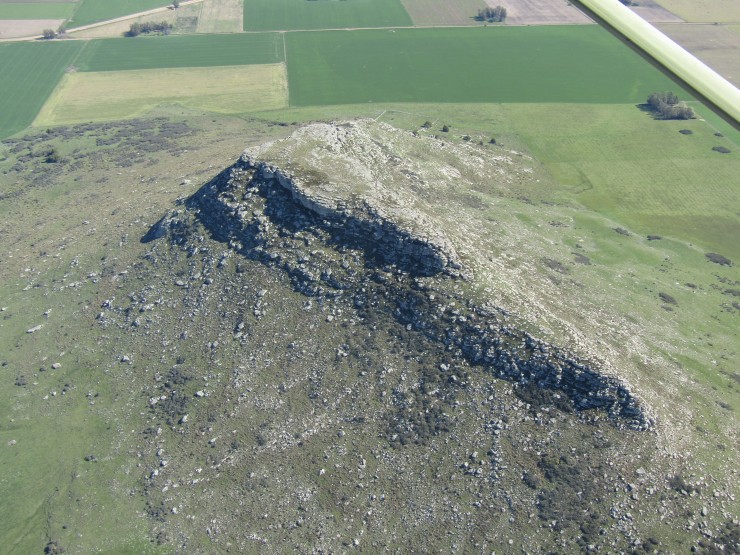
30,72
673,57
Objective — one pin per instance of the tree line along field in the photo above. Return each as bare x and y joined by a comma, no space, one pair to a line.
274,15
485,64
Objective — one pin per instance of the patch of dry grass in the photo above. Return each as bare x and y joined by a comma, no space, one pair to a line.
105,96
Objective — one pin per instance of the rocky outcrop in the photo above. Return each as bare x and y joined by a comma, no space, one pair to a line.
349,246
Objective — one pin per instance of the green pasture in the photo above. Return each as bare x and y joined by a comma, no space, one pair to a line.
620,162
181,51
92,11
36,10
572,64
274,15
30,72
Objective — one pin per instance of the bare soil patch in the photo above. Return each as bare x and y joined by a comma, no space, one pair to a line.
221,16
716,45
541,12
443,12
654,13
13,28
705,11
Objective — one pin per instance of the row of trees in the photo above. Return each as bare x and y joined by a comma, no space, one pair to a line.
669,107
49,34
492,15
137,29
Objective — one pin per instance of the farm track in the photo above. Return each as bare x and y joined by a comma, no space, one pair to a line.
106,22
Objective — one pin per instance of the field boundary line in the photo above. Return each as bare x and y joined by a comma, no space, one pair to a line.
285,64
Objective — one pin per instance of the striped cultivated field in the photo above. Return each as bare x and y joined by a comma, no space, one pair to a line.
581,63
181,51
278,15
30,72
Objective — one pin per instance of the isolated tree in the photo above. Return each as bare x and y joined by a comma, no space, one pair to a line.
445,128
48,34
669,107
492,15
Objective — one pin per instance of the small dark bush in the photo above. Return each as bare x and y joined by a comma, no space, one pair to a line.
622,231
666,298
721,149
445,128
654,237
718,259
555,265
686,132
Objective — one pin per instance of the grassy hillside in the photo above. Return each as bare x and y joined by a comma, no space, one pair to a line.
620,162
522,64
30,72
272,15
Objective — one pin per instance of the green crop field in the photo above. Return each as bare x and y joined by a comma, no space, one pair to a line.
486,64
91,11
181,51
36,10
273,15
30,72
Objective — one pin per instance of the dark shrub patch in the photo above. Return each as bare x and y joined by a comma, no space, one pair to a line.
686,132
666,298
622,231
555,265
718,259
654,237
721,149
